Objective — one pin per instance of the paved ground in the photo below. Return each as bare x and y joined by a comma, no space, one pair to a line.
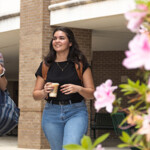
10,143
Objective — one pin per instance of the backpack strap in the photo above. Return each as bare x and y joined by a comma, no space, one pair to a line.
44,70
79,71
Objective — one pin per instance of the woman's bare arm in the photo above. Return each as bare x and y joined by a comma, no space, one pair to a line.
38,92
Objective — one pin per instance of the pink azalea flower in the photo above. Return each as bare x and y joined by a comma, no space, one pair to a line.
148,83
136,17
148,97
139,53
99,147
104,96
145,129
142,7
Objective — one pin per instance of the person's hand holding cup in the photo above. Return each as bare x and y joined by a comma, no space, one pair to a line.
54,92
51,88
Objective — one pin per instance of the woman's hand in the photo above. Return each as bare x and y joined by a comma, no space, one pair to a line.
48,87
70,88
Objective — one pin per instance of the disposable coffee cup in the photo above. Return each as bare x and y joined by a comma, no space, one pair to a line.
53,93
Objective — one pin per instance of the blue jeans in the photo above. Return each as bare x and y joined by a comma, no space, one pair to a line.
64,124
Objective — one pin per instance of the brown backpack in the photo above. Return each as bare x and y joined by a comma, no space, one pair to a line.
79,71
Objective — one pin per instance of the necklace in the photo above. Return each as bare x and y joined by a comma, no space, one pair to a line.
62,69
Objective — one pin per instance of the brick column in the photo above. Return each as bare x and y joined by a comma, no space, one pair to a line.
34,42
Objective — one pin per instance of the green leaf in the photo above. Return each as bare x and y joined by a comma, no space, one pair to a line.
138,82
123,121
86,142
131,83
133,136
137,139
142,108
73,147
148,144
128,88
133,87
115,110
100,139
138,104
123,145
146,2
128,93
124,86
125,137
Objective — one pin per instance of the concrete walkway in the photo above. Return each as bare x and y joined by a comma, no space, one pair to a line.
10,143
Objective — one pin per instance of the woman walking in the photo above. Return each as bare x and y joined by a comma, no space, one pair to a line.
65,117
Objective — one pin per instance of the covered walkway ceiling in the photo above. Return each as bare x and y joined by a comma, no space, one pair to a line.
115,23
9,41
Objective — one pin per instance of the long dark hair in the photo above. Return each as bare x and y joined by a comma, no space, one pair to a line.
75,55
